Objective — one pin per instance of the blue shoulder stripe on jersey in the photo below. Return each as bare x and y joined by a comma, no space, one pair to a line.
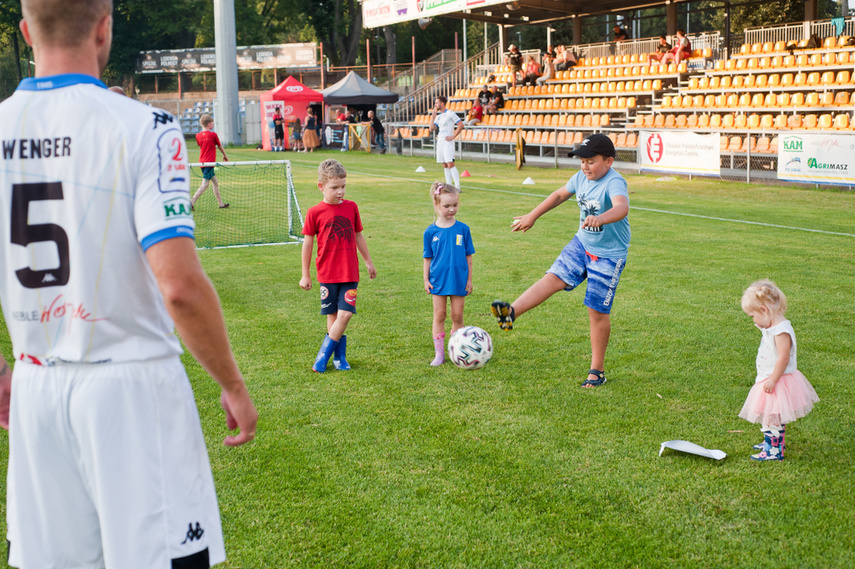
57,82
168,233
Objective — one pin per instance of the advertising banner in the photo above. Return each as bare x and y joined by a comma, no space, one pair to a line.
205,58
817,158
680,153
376,13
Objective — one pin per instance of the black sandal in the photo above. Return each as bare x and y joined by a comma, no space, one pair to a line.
601,378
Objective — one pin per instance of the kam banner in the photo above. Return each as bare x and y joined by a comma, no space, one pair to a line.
680,153
817,158
376,13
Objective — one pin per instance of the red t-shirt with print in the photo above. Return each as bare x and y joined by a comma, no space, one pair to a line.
335,226
207,141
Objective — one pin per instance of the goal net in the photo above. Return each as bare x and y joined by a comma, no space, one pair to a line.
262,205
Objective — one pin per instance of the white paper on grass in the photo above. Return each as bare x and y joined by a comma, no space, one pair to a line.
692,448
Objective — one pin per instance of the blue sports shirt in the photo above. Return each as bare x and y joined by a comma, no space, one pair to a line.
447,248
595,197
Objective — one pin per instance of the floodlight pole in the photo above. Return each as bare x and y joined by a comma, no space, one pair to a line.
227,78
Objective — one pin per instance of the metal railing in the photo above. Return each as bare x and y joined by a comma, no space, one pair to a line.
420,101
408,79
643,46
798,31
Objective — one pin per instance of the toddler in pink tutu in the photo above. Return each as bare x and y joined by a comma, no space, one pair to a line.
780,393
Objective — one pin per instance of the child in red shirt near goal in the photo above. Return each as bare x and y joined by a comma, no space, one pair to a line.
208,142
336,223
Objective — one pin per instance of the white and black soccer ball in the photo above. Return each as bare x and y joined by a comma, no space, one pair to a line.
470,348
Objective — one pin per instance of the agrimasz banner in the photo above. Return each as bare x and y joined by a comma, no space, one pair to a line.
376,13
817,158
680,153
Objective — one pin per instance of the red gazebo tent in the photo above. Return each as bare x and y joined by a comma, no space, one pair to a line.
292,98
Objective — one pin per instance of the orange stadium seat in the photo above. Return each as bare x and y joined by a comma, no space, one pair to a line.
737,81
841,99
703,121
683,121
749,81
632,140
620,141
810,121
780,121
753,121
669,122
727,121
740,121
735,144
630,102
841,121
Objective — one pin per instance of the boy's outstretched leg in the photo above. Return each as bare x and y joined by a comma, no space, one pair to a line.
601,328
536,294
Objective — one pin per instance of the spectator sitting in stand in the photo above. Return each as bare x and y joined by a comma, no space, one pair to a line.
621,34
476,114
661,49
484,96
682,50
564,58
514,61
548,66
497,101
532,71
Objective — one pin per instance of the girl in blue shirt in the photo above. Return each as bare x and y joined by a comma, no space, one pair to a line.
448,254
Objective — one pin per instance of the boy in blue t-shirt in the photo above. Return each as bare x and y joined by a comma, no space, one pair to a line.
597,252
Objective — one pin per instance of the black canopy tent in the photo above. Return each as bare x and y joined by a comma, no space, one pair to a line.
354,90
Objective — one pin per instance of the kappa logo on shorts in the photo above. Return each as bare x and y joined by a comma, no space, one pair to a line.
350,297
193,533
325,292
161,118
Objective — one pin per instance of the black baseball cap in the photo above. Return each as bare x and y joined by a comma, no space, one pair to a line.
593,145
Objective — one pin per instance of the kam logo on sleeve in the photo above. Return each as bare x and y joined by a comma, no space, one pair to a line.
176,207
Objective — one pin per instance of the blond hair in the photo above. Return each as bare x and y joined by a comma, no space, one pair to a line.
764,294
330,169
64,23
439,188
205,120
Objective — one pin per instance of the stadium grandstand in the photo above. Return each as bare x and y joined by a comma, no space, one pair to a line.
784,79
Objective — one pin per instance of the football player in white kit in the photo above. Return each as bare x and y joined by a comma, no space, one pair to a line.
448,125
107,461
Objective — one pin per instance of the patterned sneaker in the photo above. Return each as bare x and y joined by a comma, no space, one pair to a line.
504,314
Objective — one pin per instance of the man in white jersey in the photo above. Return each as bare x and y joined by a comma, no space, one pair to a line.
448,125
107,461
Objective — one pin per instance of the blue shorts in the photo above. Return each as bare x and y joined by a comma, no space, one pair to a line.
574,265
338,296
208,172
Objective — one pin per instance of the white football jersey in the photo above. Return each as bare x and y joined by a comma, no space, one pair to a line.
446,122
89,179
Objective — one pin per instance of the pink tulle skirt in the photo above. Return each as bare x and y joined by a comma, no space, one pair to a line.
792,398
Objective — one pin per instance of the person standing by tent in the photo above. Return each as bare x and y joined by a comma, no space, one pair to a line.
379,131
310,133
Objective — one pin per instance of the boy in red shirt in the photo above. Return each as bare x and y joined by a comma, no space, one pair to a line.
208,142
338,226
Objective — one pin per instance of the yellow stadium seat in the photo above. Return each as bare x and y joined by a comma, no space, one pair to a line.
726,82
780,121
586,121
825,121
704,83
657,84
800,79
753,63
753,120
812,99
659,120
721,100
810,122
798,100
637,86
774,80
841,121
630,102
669,121
843,77
756,48
745,99
735,144
604,120
787,80
639,121
719,65
789,61
693,83
648,121
767,122
830,42
764,62
738,81
826,99
714,82
691,121
715,121
740,121
741,64
749,81
770,100
761,81
827,78
745,49
763,144
730,64
757,100
780,46
709,101
768,47
727,121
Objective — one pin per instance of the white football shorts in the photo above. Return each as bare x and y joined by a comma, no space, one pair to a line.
108,467
444,151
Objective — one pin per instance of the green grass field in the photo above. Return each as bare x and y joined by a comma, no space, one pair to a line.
396,464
